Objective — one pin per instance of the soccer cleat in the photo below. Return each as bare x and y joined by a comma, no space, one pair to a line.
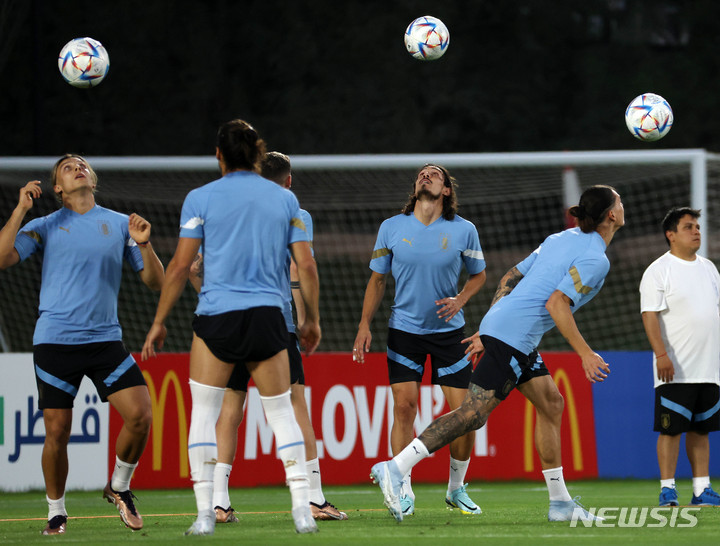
203,525
407,505
56,526
388,477
304,522
225,516
707,498
459,499
326,511
123,501
668,496
564,510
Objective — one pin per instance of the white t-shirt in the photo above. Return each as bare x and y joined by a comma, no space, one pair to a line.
687,296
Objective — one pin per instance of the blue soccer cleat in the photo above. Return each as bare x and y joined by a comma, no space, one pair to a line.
407,505
668,496
707,498
459,499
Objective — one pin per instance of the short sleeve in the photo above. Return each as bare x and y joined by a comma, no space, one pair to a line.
525,266
381,259
31,238
584,276
652,291
472,256
192,217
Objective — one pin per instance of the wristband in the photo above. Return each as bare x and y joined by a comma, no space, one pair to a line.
662,355
142,244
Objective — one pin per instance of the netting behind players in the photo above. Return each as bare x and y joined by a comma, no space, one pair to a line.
515,202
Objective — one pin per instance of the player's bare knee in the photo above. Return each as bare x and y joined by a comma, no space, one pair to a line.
405,411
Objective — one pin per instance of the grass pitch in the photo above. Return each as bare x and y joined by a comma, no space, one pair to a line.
513,513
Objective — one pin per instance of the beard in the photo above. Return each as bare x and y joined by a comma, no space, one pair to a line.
425,194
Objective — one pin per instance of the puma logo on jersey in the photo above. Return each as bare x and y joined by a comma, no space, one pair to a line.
407,241
64,229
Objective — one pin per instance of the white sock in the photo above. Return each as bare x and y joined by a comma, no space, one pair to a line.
313,470
120,480
203,497
668,483
290,446
221,477
458,469
407,489
410,456
699,484
556,484
56,507
202,442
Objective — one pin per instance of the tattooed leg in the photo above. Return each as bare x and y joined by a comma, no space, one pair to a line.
471,415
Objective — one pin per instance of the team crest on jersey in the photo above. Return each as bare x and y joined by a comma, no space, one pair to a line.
444,241
665,420
104,229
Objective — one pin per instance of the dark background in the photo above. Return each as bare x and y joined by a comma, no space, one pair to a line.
330,77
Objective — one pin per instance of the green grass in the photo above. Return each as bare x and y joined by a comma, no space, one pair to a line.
513,513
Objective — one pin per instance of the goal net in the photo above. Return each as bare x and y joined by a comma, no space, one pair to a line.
515,200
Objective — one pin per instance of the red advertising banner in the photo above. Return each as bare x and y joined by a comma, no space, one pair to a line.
351,410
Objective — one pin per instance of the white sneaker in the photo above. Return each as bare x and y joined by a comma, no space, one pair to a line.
304,522
203,525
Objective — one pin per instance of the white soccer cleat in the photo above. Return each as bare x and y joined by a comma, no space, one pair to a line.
304,522
203,525
388,477
564,511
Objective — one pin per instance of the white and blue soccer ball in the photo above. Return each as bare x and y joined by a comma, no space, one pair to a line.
649,117
427,38
83,62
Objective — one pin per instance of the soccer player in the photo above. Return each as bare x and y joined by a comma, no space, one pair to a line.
542,291
83,246
425,248
276,167
679,299
245,224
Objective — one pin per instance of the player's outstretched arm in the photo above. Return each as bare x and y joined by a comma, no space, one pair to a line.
373,296
451,306
8,254
558,305
153,272
176,277
308,332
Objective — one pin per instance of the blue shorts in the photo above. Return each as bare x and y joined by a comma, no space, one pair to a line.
59,370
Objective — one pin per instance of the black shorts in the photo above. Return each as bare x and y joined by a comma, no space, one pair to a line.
407,353
250,335
240,376
684,407
59,370
503,367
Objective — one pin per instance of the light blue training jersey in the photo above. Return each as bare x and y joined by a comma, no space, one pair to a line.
287,308
246,224
425,262
82,257
570,261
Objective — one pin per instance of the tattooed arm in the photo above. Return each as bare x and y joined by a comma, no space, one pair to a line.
506,285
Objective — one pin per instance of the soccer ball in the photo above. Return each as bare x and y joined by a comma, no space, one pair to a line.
83,62
649,117
427,38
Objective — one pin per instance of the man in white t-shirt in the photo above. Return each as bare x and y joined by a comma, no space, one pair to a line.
679,301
